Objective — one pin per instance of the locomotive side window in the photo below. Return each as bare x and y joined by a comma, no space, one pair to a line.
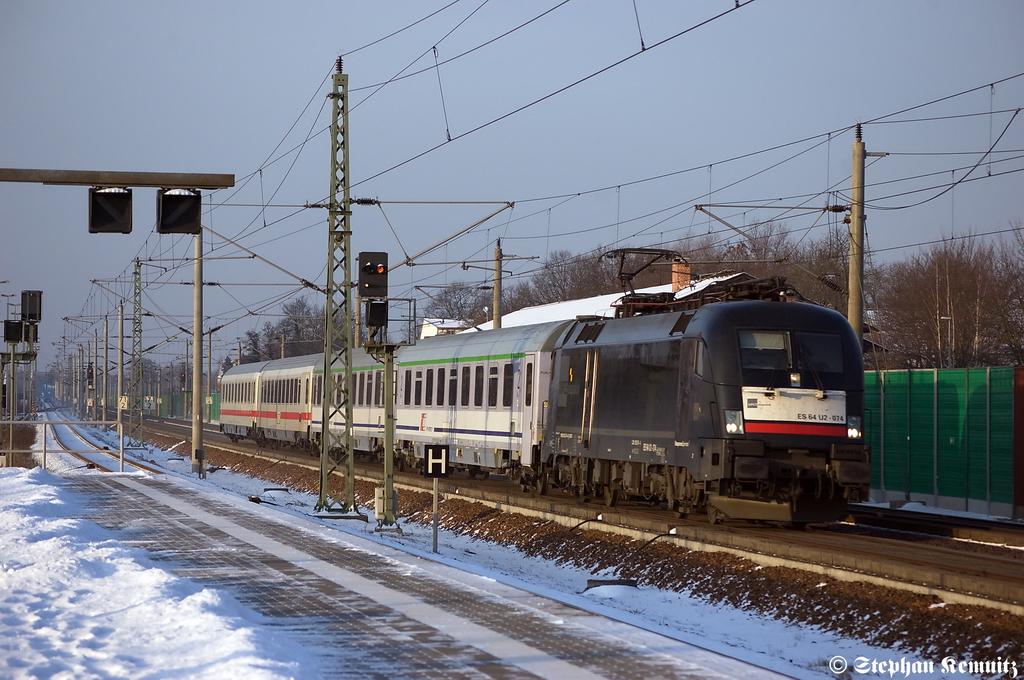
700,359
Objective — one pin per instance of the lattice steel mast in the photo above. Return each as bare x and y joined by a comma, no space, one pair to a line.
338,330
135,377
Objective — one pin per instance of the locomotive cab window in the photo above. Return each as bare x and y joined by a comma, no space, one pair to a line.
820,352
765,358
802,359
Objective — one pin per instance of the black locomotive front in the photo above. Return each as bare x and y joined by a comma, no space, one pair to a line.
748,409
786,381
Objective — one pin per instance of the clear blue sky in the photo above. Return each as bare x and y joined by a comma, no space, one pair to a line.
228,86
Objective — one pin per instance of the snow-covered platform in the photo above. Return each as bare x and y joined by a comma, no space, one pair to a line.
370,610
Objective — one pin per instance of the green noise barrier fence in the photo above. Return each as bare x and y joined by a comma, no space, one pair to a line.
948,438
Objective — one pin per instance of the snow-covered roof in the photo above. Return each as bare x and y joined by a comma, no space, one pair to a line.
599,305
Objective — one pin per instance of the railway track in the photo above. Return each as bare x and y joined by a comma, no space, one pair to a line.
96,457
947,526
955,570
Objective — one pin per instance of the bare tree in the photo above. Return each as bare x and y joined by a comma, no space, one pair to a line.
935,308
1008,315
461,301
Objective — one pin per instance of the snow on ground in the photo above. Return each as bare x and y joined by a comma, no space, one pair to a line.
76,603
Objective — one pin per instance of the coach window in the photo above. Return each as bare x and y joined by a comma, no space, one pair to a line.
419,387
529,384
453,387
379,390
492,386
429,387
465,385
478,386
369,388
506,385
440,387
361,394
408,387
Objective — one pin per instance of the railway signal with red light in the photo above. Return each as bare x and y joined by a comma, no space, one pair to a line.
373,275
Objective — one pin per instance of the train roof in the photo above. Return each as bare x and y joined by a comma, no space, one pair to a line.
287,363
503,342
242,370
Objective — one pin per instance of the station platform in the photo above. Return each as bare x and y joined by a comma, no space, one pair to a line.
368,610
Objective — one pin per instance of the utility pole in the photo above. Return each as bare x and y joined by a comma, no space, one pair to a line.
336,394
94,394
106,368
120,364
198,452
855,306
496,316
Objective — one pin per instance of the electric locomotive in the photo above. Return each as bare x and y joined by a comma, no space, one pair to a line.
748,409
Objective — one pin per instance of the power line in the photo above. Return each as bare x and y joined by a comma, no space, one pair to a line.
555,93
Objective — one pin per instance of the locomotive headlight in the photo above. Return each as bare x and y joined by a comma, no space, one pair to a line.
853,427
733,421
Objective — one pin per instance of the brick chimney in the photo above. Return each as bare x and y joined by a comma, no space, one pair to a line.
680,274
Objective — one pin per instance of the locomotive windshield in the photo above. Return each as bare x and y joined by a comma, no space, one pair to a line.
791,359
